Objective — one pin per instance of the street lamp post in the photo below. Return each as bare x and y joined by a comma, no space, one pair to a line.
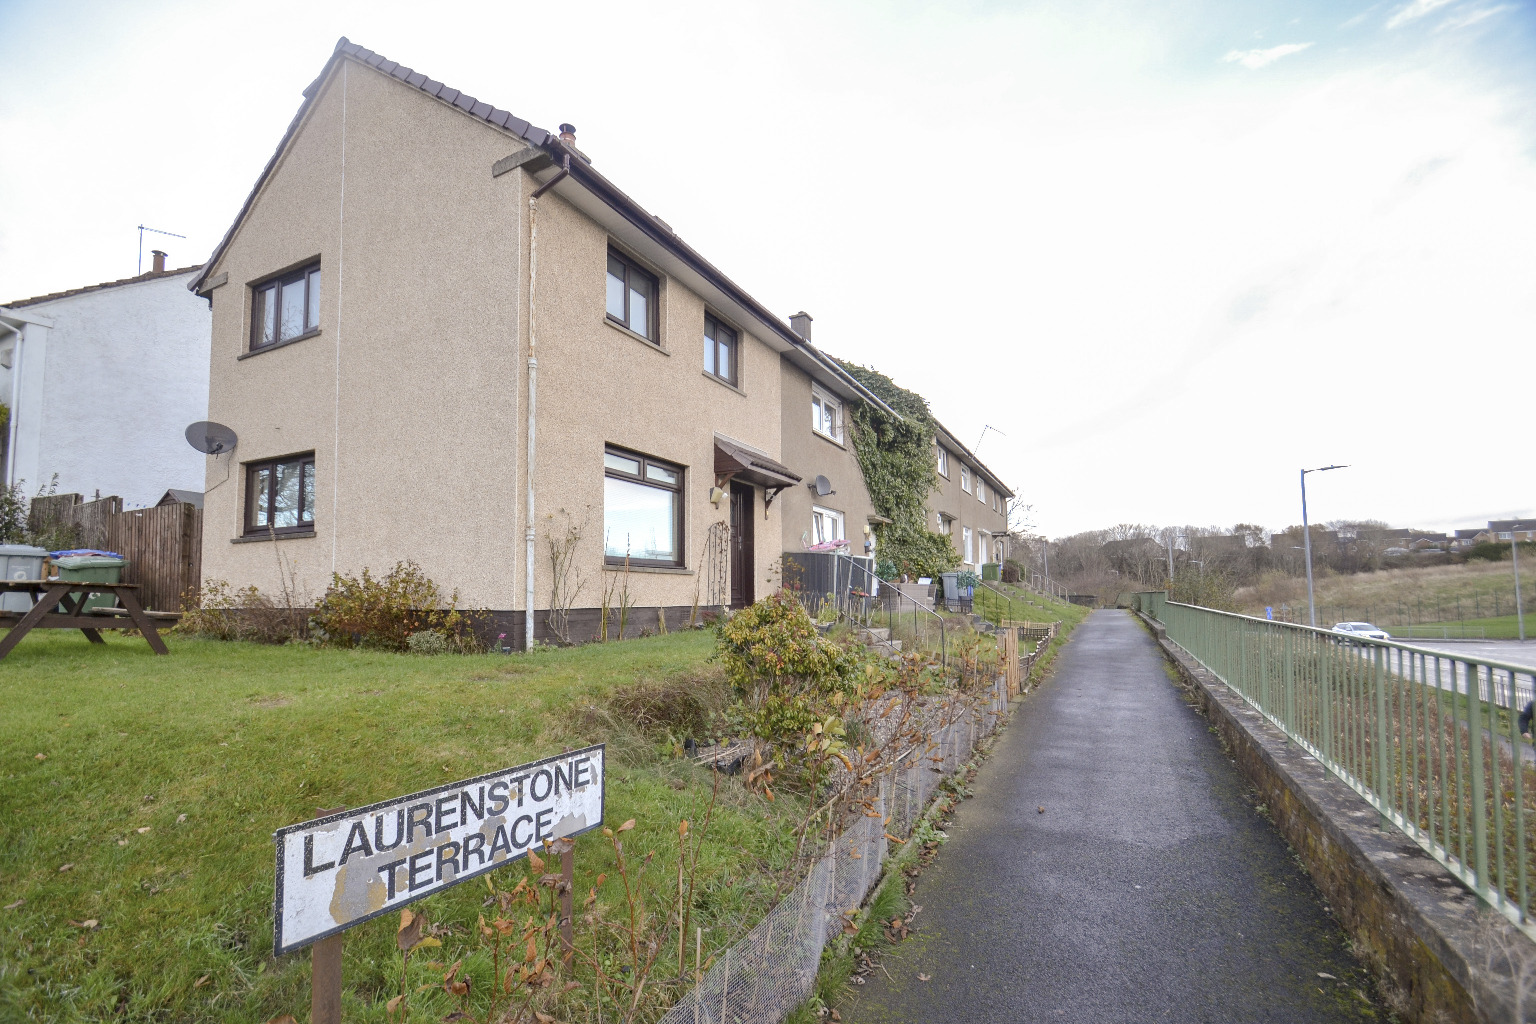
1306,534
1514,555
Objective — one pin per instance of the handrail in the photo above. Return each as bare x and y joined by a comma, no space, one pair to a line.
843,600
1430,739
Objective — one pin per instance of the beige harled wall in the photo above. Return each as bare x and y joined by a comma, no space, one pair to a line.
598,384
810,454
964,507
419,302
431,253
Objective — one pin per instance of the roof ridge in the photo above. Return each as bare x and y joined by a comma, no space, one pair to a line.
149,276
345,48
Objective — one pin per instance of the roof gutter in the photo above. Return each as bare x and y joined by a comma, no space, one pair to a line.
581,172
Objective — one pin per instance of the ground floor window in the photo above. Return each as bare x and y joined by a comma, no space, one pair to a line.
967,551
826,525
280,495
642,510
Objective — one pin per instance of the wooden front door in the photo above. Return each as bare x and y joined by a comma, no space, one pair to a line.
742,569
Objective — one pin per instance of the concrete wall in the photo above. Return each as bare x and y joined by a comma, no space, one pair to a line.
810,454
1438,953
108,390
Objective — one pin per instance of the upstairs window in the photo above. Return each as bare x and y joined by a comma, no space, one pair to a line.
826,415
965,478
280,495
719,350
943,462
631,296
981,489
642,510
286,308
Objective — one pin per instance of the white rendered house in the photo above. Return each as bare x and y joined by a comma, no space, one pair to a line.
101,383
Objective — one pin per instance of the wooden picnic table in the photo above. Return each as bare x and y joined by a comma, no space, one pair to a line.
60,604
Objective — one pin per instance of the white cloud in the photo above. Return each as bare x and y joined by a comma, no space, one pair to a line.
1472,17
1260,58
1416,10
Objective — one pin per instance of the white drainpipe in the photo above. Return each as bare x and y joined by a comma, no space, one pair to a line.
533,375
533,379
10,467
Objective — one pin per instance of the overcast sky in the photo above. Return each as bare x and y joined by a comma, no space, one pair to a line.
1172,252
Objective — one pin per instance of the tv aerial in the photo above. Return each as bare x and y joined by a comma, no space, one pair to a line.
153,231
211,438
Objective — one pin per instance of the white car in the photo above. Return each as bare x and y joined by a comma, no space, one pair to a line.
1359,631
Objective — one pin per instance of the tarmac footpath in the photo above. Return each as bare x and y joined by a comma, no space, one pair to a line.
1149,888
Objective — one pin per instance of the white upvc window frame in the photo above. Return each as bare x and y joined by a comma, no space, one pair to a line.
943,462
826,414
824,520
981,490
967,549
965,478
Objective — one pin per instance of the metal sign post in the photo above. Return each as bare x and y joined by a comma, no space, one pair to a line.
351,866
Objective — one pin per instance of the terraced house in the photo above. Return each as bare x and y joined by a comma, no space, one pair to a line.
441,334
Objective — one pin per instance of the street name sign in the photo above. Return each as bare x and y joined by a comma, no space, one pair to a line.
351,866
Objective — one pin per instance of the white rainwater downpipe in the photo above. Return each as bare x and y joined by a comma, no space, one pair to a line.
533,374
11,427
531,534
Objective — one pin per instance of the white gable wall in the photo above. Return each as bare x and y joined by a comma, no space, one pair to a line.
108,390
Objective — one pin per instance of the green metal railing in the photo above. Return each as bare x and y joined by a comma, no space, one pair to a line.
1430,739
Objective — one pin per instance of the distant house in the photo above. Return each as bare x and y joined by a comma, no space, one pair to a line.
101,383
1507,530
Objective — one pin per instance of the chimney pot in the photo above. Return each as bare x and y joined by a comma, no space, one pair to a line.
158,265
568,134
800,323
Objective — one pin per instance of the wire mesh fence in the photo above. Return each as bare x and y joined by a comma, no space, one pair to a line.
763,976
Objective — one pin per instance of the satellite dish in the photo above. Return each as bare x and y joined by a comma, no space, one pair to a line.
822,486
211,438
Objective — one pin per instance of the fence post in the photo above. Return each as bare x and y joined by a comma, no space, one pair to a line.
1479,808
1383,786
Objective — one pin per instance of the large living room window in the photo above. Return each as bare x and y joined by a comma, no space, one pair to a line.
719,350
642,510
286,308
631,296
280,495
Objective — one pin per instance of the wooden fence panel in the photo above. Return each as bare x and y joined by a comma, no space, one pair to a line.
164,548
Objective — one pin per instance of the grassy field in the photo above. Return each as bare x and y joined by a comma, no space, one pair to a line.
1399,597
1505,627
141,794
1021,605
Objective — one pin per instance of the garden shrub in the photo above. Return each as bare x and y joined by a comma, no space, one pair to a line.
427,641
785,675
382,612
218,611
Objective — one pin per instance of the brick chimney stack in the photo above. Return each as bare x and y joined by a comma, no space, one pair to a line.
158,264
800,323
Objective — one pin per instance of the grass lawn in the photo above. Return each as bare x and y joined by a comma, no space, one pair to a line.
1023,605
1505,627
162,779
